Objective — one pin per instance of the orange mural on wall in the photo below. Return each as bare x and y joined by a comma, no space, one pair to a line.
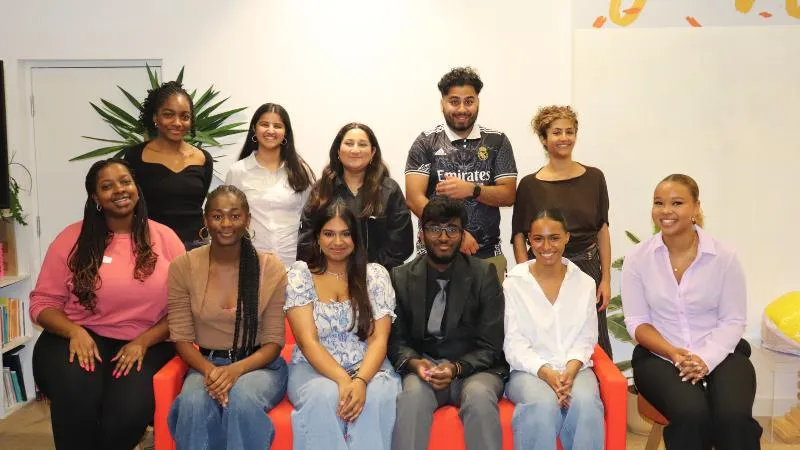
793,8
624,17
628,15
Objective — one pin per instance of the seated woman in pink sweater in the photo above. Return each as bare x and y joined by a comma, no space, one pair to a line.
101,298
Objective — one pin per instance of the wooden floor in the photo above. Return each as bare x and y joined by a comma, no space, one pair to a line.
29,429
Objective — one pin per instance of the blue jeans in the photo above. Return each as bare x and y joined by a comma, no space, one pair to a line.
538,419
198,422
316,426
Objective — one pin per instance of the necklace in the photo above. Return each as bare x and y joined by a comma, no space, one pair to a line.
675,268
339,276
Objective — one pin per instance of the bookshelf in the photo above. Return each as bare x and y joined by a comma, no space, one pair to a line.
16,350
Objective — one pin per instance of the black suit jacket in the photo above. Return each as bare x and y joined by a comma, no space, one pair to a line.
473,330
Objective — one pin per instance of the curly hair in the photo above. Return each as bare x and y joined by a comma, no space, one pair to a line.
322,194
299,175
86,254
548,114
694,191
460,76
155,100
246,323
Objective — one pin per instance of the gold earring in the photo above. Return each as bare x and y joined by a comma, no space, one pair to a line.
694,221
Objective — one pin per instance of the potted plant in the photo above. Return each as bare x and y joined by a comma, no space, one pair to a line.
14,212
210,125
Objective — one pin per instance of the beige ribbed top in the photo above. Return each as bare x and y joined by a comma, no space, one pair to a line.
195,318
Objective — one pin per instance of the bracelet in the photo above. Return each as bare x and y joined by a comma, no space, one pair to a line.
356,377
457,365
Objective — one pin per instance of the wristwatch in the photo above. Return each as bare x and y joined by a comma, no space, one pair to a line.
476,191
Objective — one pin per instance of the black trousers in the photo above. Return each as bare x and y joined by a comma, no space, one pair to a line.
589,263
93,410
719,414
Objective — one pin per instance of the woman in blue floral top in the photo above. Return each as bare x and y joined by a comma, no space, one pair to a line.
340,309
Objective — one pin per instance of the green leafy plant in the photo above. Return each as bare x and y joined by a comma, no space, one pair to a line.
615,317
14,212
209,123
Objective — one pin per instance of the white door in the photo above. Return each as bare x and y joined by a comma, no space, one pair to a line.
62,114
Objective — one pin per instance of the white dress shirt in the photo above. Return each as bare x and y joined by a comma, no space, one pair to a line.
275,207
538,332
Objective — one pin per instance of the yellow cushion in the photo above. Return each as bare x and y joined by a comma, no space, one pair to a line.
784,312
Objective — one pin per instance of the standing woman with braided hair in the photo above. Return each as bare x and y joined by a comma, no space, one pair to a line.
228,299
101,298
174,175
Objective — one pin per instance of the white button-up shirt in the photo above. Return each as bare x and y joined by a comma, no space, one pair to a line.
275,207
538,332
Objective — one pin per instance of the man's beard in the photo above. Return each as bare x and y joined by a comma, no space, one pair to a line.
451,123
436,259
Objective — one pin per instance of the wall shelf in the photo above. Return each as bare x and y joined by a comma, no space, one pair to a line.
15,343
11,279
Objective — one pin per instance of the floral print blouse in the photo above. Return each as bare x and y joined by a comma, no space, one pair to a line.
333,319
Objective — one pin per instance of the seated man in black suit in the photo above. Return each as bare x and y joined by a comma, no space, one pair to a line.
447,340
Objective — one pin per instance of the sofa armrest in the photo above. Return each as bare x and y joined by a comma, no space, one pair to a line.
614,394
167,384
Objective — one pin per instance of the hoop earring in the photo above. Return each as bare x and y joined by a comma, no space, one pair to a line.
254,138
98,207
205,238
284,141
250,234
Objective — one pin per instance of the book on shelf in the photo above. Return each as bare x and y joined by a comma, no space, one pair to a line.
12,361
12,319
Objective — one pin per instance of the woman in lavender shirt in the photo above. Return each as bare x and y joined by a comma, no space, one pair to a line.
685,303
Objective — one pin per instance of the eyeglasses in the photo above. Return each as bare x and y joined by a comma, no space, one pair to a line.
436,230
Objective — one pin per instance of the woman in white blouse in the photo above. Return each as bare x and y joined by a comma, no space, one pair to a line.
550,334
275,180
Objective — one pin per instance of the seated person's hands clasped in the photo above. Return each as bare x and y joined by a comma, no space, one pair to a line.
692,368
219,381
438,376
352,395
561,383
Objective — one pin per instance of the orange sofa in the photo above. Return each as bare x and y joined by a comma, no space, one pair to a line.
447,432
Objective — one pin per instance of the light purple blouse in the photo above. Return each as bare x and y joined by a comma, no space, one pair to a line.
706,313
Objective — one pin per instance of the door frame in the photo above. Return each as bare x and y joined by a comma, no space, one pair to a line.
31,263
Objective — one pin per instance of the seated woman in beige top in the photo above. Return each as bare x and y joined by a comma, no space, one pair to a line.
228,299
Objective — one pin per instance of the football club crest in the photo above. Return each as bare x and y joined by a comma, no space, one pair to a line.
483,153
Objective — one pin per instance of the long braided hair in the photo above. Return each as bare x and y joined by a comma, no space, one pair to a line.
87,253
356,265
245,330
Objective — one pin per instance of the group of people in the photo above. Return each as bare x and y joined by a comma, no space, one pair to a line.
158,266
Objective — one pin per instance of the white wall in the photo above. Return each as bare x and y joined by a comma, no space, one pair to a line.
720,104
328,63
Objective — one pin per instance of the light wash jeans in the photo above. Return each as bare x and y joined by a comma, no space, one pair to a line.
538,419
316,426
198,422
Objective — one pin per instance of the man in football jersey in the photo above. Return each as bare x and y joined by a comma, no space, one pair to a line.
465,161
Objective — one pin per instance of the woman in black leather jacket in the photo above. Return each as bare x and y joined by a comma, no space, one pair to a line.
357,175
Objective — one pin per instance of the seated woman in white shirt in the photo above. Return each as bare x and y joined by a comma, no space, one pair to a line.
550,334
275,180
